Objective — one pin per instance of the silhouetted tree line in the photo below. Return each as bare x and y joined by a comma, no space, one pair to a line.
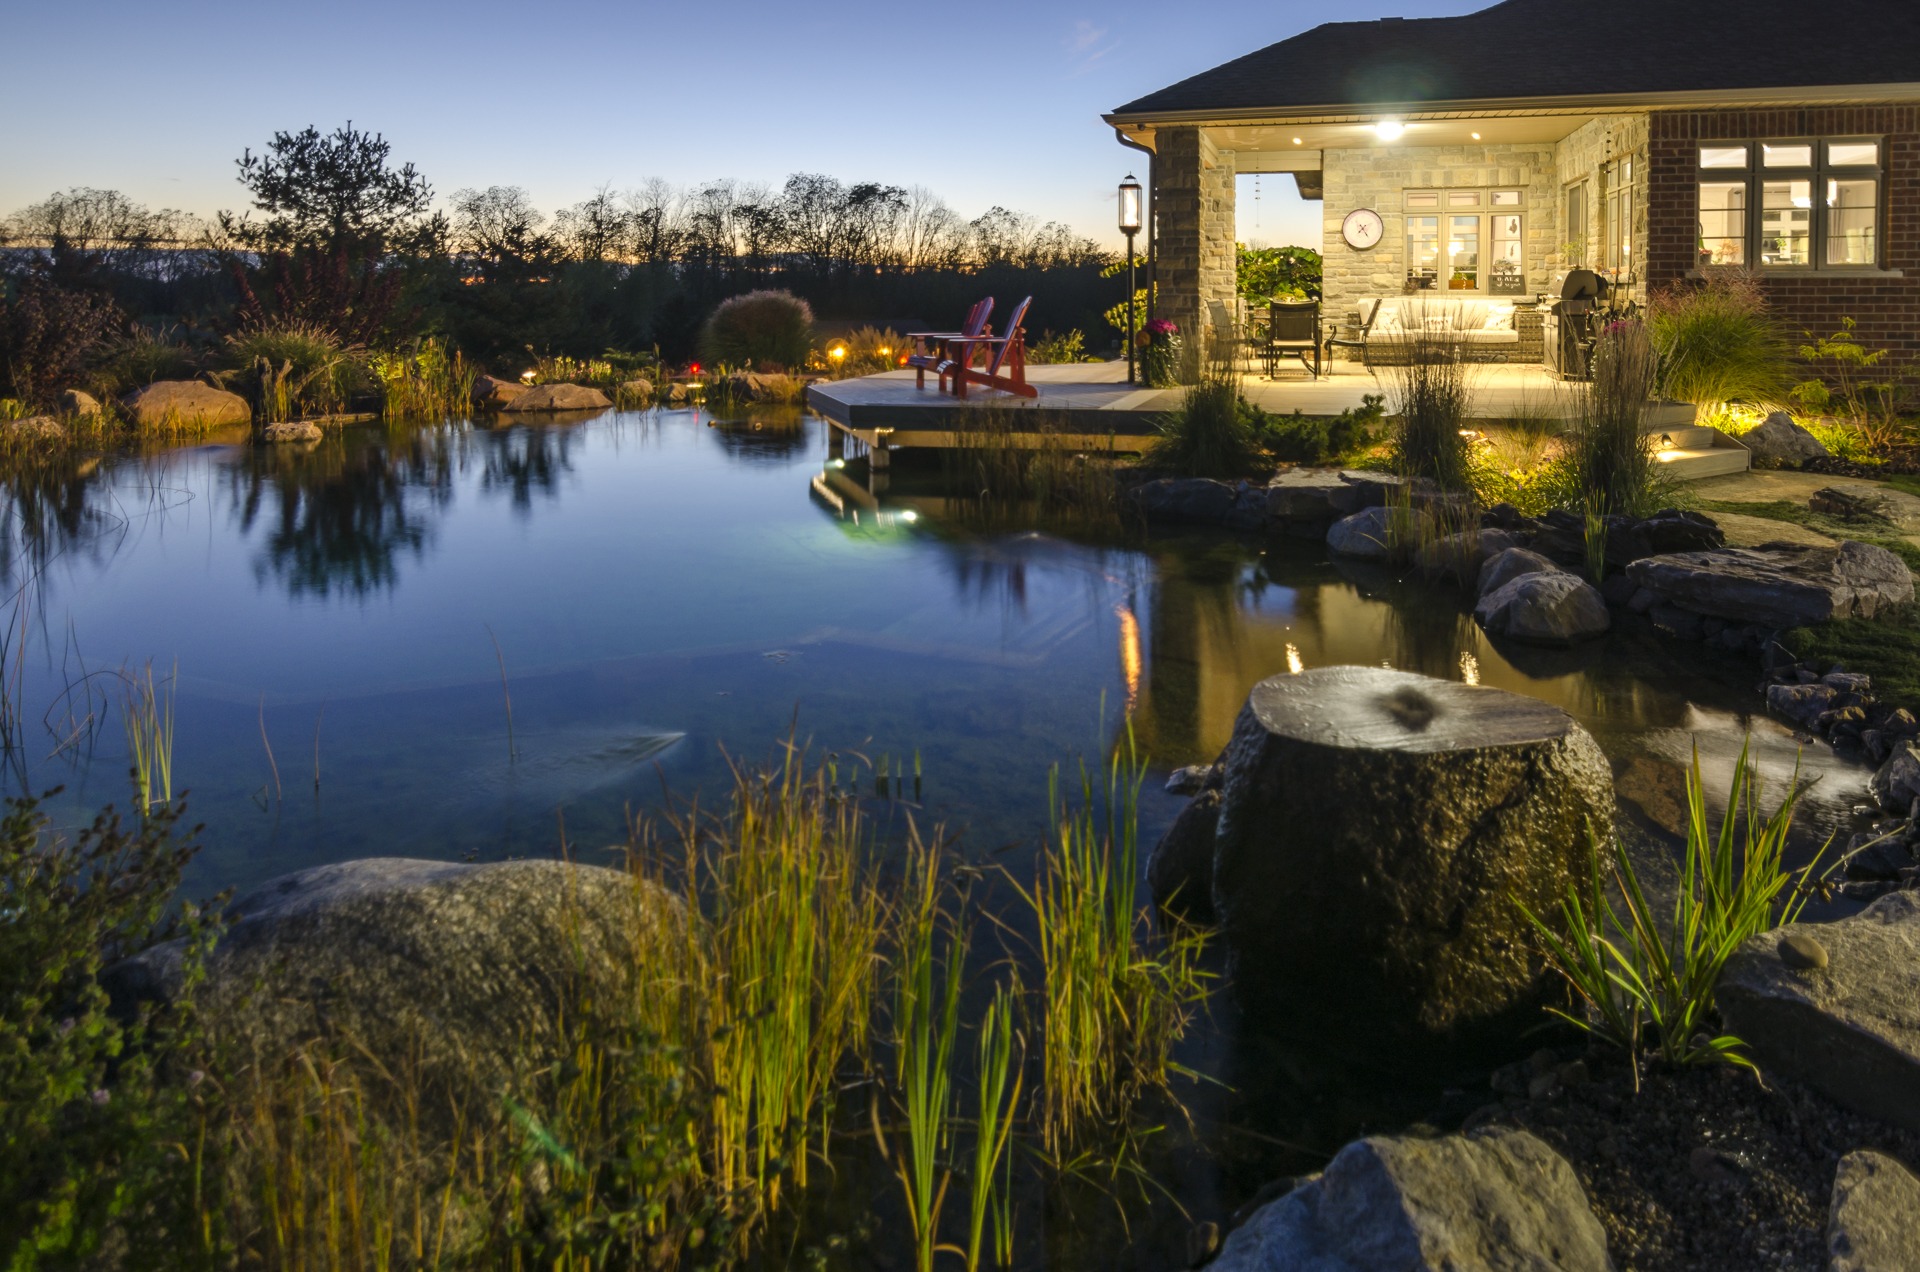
341,237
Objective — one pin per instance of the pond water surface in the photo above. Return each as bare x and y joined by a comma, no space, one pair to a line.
660,586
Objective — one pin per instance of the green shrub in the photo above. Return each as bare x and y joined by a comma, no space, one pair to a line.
1266,273
1868,386
99,1162
1052,348
1318,439
1717,343
761,329
294,367
1633,971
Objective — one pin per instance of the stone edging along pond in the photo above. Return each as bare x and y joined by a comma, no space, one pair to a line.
1830,1011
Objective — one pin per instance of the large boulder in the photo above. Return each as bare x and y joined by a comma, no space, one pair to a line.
1186,499
559,397
1309,495
466,970
1180,867
1493,1201
1503,568
493,393
639,388
1779,584
167,403
1545,608
34,428
1873,1220
1380,833
1375,533
291,431
1850,1028
1780,441
1896,783
79,402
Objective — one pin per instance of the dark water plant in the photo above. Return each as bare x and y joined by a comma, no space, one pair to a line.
767,328
1635,972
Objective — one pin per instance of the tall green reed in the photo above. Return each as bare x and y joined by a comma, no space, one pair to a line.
148,719
926,1025
1000,1077
1635,971
429,382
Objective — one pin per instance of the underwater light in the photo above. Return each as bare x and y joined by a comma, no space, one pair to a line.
909,516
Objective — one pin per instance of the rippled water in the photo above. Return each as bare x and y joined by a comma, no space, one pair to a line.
662,585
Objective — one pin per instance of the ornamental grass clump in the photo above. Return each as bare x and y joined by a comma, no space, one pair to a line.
1211,433
770,330
1718,344
430,382
1644,980
1432,398
295,368
1610,455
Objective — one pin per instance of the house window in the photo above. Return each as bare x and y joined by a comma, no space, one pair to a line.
1460,246
1618,253
1575,246
1790,204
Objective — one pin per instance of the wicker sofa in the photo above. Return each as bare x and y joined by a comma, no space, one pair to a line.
1482,327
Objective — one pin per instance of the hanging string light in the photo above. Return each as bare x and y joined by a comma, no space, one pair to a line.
1256,200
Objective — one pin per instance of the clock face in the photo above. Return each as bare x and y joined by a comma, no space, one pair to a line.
1362,228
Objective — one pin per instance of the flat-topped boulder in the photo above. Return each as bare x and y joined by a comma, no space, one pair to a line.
1779,584
1873,1220
559,397
167,403
1492,1201
493,392
1375,533
1847,1022
1379,833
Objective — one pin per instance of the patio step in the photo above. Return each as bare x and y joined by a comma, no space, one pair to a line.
1691,463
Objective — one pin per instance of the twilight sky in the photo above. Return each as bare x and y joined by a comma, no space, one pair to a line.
994,103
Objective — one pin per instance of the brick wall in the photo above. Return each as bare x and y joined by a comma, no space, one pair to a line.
1886,307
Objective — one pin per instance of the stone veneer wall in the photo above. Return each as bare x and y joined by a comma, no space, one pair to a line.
1885,304
1581,155
1194,201
1376,177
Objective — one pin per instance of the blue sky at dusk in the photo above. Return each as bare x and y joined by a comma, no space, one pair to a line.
984,104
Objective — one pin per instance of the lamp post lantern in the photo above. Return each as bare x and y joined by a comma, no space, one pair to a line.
1130,226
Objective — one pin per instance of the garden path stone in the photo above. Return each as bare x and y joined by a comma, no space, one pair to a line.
184,402
1873,1223
1781,584
1379,833
559,397
1494,1201
1545,608
1850,1029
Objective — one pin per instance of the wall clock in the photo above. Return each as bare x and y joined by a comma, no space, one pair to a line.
1362,228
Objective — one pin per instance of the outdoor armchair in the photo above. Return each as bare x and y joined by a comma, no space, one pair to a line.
1006,367
933,349
1293,331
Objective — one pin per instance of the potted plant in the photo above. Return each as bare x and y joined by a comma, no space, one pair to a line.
1160,354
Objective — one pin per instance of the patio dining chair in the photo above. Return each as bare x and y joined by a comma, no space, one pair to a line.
1293,331
1368,314
932,349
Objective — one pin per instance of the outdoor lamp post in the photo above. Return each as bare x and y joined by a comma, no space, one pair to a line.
1130,226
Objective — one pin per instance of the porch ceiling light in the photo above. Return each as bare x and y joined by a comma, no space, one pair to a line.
1389,129
1296,141
1476,136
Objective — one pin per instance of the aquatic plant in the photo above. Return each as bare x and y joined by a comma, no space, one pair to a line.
926,1024
1635,972
770,329
1610,456
1211,434
1112,1006
296,368
428,382
1593,540
1006,456
148,720
998,1068
1717,343
1432,401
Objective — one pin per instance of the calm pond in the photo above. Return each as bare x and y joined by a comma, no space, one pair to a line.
662,585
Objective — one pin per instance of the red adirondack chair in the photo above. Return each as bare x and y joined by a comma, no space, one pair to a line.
931,352
1006,369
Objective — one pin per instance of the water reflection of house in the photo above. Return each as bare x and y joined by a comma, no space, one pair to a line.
1483,154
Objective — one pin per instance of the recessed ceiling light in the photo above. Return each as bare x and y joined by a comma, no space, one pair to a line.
1296,141
1476,136
1389,129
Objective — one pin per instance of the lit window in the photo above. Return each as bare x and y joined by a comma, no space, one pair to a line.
1766,214
1470,251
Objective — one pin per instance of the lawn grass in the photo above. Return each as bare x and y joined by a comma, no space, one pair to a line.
1875,531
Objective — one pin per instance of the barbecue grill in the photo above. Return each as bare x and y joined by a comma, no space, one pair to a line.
1570,325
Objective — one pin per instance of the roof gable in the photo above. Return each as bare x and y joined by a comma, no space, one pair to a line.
1561,48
